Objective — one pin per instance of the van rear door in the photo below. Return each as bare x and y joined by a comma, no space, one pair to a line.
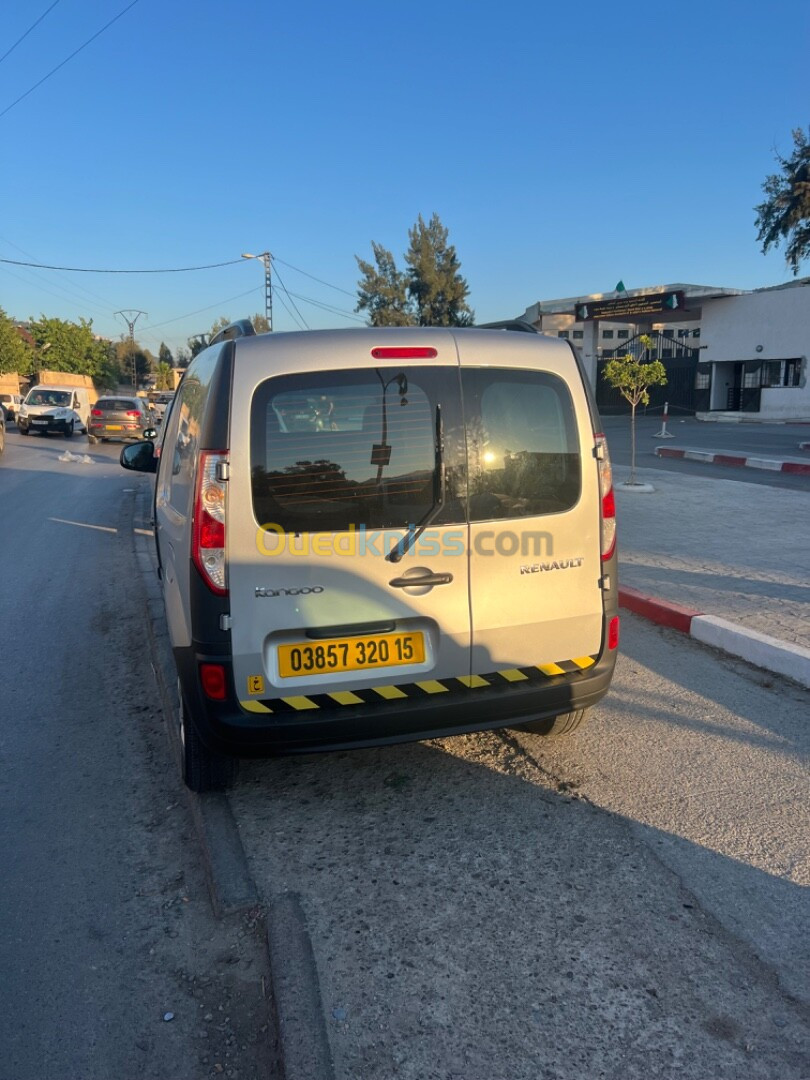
349,442
535,561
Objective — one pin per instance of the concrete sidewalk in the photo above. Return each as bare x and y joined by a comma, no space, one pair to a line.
721,548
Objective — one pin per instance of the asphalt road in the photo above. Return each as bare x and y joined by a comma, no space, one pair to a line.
112,963
765,440
628,903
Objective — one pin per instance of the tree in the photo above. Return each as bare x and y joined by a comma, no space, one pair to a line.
71,347
125,353
435,285
383,290
196,344
785,214
431,292
16,355
632,378
165,355
164,377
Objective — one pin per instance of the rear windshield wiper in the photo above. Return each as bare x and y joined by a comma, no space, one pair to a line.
439,489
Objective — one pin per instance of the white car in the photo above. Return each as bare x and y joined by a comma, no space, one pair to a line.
11,404
160,404
59,409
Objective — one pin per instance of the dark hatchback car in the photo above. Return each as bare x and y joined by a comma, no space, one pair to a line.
119,418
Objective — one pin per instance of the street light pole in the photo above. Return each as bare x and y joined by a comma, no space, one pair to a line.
268,291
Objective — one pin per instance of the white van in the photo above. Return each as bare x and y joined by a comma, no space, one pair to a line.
378,535
59,409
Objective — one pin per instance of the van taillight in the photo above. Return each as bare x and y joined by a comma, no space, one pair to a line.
404,352
214,683
208,534
608,499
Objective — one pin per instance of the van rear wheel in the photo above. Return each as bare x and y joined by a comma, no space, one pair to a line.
203,769
555,725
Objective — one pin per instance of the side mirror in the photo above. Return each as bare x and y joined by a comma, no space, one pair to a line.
139,457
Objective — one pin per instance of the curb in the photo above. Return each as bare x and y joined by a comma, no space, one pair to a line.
761,650
230,884
717,457
297,1007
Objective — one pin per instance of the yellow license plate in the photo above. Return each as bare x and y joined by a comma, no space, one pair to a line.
114,427
350,654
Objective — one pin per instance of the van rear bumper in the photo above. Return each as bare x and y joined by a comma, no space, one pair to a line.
226,728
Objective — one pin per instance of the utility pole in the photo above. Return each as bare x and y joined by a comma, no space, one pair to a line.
131,318
268,289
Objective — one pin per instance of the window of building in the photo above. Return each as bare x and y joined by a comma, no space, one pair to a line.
752,378
703,378
577,335
696,333
669,333
623,333
781,372
562,333
666,354
683,333
607,333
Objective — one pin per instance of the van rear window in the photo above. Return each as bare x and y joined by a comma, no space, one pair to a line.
330,450
522,443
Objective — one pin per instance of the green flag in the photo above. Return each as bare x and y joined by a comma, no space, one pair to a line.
620,287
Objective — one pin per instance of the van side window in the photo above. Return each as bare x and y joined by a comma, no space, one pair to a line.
522,444
179,455
332,450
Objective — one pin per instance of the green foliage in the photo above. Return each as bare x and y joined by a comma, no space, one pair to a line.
197,344
436,288
69,347
165,378
383,290
431,292
16,355
632,378
125,352
165,355
785,213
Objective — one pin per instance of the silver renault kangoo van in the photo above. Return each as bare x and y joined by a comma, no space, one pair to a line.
377,535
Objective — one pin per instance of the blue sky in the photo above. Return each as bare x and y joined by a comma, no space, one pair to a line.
565,147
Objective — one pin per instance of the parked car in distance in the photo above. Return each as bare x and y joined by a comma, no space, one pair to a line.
117,417
2,430
59,409
11,403
370,536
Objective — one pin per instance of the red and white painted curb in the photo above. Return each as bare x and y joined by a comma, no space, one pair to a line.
780,657
717,457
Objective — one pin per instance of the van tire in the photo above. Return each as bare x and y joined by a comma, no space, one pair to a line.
555,725
69,430
202,769
23,430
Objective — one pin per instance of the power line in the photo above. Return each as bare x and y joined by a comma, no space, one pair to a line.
90,270
294,317
284,287
319,280
68,58
28,31
199,311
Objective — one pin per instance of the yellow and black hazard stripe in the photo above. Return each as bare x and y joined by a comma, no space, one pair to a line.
460,684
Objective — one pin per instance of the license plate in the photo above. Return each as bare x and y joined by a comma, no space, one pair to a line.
350,654
39,422
114,427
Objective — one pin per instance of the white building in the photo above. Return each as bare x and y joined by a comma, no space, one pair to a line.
730,354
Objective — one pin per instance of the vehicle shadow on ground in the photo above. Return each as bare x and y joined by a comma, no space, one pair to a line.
472,917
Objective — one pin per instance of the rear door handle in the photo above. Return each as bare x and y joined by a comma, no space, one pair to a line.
418,582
